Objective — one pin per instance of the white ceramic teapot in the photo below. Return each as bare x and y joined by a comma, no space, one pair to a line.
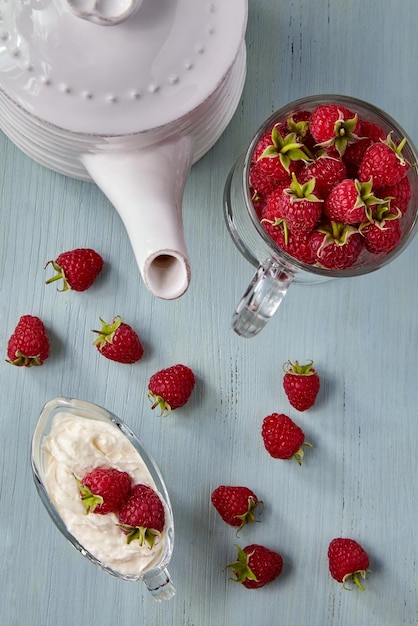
128,93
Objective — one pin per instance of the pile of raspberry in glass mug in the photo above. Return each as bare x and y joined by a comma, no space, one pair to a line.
328,184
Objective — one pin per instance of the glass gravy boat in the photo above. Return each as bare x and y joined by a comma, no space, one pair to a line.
156,577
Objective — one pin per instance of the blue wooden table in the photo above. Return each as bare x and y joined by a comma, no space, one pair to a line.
360,480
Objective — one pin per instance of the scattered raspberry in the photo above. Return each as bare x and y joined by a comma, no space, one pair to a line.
104,490
347,561
256,566
236,505
118,341
78,268
142,516
171,388
29,344
301,384
283,439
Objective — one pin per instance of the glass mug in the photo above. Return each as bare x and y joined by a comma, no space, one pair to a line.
276,269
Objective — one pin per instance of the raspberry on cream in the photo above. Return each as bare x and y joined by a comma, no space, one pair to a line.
74,446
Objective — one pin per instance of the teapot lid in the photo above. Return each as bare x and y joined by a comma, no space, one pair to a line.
119,66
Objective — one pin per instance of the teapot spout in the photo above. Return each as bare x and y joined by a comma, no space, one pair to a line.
146,188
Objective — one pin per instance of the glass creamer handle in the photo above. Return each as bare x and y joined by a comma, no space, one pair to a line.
160,585
262,298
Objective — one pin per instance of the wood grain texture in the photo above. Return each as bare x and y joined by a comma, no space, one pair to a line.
360,480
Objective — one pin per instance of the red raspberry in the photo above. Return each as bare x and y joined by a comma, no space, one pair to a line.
327,171
298,123
236,505
299,207
350,202
104,490
383,234
372,130
256,566
334,126
347,561
400,194
29,344
275,156
384,163
275,230
262,182
271,211
78,268
271,166
118,341
283,439
171,388
295,244
271,218
259,202
370,133
142,516
336,246
301,384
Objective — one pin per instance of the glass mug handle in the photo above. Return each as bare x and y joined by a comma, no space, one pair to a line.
262,298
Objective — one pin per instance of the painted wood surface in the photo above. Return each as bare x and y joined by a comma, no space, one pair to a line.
360,480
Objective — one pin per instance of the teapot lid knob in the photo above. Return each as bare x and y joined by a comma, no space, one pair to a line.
104,12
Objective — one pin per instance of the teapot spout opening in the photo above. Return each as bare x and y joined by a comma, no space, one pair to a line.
167,274
146,188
